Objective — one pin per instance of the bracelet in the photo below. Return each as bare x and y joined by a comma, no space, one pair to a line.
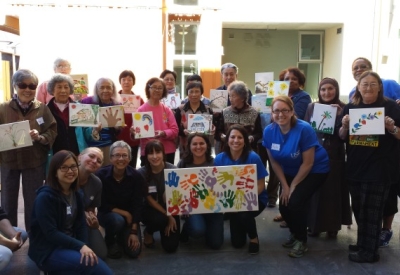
394,131
133,232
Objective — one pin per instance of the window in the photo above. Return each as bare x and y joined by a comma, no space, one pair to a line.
310,46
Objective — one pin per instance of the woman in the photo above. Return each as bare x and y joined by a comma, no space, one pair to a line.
121,203
301,165
240,112
169,78
105,94
330,205
198,154
127,80
165,127
238,152
28,162
372,164
194,105
59,233
61,87
90,160
155,214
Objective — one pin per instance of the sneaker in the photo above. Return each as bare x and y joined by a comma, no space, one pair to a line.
114,251
290,242
298,250
362,256
384,239
254,248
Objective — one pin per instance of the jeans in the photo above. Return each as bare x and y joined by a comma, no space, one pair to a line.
209,225
67,261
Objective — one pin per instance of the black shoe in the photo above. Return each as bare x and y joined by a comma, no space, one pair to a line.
184,236
254,248
354,247
114,251
362,257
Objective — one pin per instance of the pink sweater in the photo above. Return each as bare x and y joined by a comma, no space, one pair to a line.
164,120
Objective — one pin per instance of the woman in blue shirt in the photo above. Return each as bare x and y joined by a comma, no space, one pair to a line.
301,165
238,152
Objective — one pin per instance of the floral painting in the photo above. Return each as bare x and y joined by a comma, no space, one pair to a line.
81,89
15,135
275,88
261,81
367,121
323,119
130,103
143,124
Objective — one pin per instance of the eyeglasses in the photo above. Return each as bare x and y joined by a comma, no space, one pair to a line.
118,156
63,66
66,168
169,80
284,111
371,85
157,88
361,67
24,86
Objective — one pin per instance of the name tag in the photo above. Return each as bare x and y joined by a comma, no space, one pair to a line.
40,120
276,147
69,212
152,189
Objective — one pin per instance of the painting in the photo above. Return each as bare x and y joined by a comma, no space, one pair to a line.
172,101
261,81
219,100
275,88
259,102
367,121
15,135
81,89
112,116
130,103
85,115
200,123
144,124
211,189
323,119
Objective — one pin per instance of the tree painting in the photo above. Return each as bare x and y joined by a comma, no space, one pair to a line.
326,115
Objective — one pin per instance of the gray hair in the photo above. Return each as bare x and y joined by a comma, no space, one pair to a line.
229,65
58,61
23,74
121,144
96,90
240,88
57,78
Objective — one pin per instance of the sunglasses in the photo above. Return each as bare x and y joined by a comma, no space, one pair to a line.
24,86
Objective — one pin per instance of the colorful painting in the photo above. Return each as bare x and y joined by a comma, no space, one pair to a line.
275,88
172,101
200,123
323,119
15,135
211,189
86,115
81,89
112,116
259,102
367,121
219,100
261,81
144,124
130,102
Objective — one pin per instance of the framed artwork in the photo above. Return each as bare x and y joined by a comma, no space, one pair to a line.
85,115
144,125
261,81
367,121
200,123
15,135
81,89
275,88
323,119
130,103
219,100
112,116
215,189
172,101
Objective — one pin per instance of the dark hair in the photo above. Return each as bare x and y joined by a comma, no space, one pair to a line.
357,98
22,74
125,74
165,72
246,148
335,84
288,101
194,85
152,145
194,78
56,162
362,58
150,82
188,156
296,71
58,78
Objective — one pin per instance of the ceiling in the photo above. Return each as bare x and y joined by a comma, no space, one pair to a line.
279,26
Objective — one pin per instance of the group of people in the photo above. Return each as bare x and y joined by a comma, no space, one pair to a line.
85,177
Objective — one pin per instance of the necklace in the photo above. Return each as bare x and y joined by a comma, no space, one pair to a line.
119,179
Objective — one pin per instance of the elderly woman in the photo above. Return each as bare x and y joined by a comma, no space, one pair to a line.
372,164
330,205
28,162
127,80
240,112
121,203
165,127
169,78
61,66
61,87
105,94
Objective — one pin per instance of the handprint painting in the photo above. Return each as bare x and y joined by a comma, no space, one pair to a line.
15,135
211,189
112,116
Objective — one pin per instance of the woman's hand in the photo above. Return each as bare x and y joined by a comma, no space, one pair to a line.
339,109
112,119
133,242
389,123
285,195
128,217
160,134
92,220
346,122
171,227
35,136
186,132
291,190
90,256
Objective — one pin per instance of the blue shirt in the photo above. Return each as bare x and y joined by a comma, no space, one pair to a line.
287,149
223,159
300,101
391,89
